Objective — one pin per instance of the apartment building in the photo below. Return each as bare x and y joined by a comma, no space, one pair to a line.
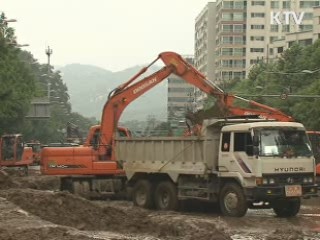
303,38
180,97
243,33
205,35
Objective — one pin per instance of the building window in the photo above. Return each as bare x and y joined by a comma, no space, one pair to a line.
226,51
257,38
240,4
272,39
274,4
286,5
179,90
280,49
239,63
305,27
239,40
239,28
257,26
260,50
257,3
274,28
308,16
286,28
239,51
227,4
227,40
238,16
178,99
226,28
257,15
226,16
226,75
308,4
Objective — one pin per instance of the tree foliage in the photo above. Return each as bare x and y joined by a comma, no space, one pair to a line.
287,75
16,79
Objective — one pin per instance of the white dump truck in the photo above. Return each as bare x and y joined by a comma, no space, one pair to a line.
237,163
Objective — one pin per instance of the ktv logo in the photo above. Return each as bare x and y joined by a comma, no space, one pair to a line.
284,17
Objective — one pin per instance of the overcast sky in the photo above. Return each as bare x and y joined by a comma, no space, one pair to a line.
113,34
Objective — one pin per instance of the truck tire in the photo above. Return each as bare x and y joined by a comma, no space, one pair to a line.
142,194
232,200
285,208
166,196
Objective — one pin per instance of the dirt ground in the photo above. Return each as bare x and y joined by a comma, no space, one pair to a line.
32,208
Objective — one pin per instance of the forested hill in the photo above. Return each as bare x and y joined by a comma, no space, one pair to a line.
89,86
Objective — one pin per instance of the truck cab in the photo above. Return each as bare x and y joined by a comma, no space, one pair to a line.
274,159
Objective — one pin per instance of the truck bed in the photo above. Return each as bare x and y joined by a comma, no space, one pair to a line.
173,155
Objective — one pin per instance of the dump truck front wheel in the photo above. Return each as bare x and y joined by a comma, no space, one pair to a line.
287,207
232,200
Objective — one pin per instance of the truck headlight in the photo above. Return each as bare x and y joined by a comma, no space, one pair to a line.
308,180
265,181
272,181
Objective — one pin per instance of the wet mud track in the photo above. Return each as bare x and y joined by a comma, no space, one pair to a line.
30,208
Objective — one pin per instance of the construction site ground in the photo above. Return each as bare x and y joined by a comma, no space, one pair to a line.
31,207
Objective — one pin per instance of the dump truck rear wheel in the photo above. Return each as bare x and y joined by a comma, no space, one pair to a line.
166,196
287,207
142,194
232,200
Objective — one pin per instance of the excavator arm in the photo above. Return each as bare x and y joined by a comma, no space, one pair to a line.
123,95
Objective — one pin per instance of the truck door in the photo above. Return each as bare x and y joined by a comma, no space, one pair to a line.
243,152
236,153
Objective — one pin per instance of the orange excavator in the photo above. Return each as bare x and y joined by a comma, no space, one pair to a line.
14,154
94,167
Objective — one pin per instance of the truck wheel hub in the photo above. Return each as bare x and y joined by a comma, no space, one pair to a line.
231,201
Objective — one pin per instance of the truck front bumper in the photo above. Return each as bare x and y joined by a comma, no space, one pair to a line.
265,193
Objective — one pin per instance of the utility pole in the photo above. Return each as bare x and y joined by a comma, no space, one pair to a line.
48,52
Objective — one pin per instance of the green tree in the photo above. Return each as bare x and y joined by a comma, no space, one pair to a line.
16,79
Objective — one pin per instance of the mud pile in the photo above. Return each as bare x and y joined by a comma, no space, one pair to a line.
63,208
55,233
8,181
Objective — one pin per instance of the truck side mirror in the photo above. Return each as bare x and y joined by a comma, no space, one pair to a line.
256,144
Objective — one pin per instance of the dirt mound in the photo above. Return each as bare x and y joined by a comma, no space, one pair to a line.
55,233
6,181
63,208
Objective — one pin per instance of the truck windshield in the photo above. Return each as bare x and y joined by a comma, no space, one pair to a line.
283,142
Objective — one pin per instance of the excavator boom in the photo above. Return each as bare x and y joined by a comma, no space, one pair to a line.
123,95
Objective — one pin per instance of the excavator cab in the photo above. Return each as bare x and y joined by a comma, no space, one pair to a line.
11,147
